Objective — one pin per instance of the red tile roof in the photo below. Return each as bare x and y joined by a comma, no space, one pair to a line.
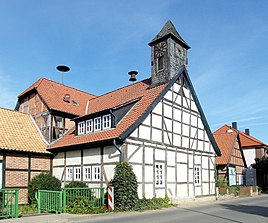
57,91
140,90
225,143
246,140
19,132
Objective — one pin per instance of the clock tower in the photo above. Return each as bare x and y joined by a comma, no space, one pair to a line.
168,54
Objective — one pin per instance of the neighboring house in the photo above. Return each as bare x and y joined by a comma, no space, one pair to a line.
52,105
157,125
231,164
23,152
252,147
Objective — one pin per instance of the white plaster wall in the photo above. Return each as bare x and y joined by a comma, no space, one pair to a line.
185,142
200,145
159,154
167,111
58,159
186,117
144,132
205,175
170,174
198,191
135,133
212,188
140,190
250,155
177,140
191,190
149,191
204,162
176,87
110,154
207,147
182,173
58,172
109,171
73,157
149,155
177,114
167,137
182,191
92,156
147,120
182,157
171,159
171,189
156,121
149,174
138,171
193,120
156,135
168,95
135,153
193,106
191,162
185,130
158,109
206,189
168,124
160,192
197,159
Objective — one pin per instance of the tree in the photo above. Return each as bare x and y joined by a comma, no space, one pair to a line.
125,187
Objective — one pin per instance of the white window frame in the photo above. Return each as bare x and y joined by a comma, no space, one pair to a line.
106,121
97,124
87,173
77,173
69,173
197,175
96,173
89,125
159,174
81,128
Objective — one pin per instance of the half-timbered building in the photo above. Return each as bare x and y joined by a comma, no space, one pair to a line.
231,164
156,124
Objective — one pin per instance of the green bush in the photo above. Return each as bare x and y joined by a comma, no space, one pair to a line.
76,184
125,187
151,204
43,181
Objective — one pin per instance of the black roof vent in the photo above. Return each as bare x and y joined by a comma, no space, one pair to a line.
133,74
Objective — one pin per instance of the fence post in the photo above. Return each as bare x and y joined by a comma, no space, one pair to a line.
64,200
102,196
111,198
17,203
37,197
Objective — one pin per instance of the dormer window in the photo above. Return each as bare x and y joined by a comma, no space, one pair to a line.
106,121
97,124
89,125
81,128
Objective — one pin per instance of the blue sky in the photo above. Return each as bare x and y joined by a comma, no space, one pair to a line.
102,40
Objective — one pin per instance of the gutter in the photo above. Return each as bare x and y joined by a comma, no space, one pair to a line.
119,150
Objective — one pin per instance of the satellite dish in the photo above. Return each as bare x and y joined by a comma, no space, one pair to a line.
63,69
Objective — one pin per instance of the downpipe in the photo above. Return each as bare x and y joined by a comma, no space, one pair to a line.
119,150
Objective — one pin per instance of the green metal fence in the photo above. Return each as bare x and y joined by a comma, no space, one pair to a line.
9,202
49,201
68,198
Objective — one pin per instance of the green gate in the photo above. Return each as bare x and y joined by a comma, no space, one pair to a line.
9,202
49,201
62,201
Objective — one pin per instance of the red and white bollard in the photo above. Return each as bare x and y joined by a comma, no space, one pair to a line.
111,198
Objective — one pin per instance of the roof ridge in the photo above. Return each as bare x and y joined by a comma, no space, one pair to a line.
119,89
251,137
66,86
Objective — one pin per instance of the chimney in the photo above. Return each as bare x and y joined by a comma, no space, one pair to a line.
247,131
234,125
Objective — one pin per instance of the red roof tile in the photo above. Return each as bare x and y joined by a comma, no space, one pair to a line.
225,142
115,98
57,91
246,140
19,132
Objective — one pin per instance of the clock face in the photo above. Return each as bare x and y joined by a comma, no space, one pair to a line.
160,49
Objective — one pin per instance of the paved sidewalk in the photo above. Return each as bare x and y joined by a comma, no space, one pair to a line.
49,218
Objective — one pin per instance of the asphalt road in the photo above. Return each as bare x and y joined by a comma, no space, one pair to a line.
242,210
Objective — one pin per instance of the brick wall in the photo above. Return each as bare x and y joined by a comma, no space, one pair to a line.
17,171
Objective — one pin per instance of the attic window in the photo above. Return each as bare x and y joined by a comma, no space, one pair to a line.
74,102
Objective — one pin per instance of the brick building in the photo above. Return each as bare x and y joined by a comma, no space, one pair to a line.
23,152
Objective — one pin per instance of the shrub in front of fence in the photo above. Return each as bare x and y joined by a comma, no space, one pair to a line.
43,181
